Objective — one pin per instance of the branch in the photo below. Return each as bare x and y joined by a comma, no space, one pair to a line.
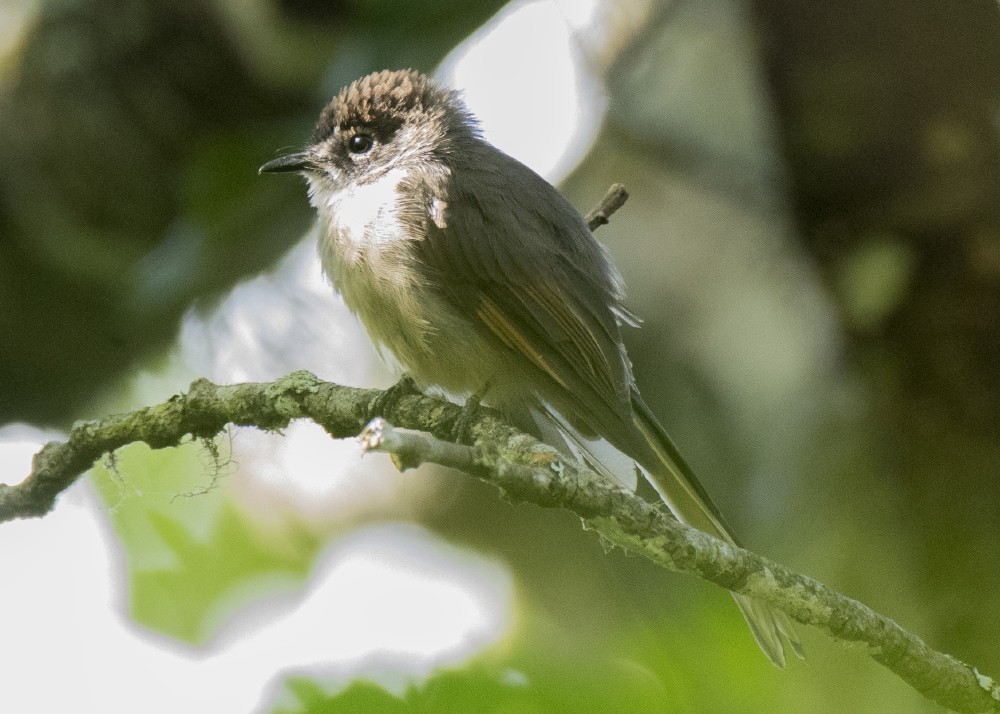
525,470
613,200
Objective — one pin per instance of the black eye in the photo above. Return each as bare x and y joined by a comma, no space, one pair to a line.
360,143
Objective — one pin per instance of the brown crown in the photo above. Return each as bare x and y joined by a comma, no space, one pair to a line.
386,97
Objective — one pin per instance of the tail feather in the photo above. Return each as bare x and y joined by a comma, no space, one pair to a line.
597,453
676,483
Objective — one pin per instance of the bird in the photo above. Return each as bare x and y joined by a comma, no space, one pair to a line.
479,278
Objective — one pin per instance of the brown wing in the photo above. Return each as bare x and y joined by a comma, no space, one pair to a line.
513,254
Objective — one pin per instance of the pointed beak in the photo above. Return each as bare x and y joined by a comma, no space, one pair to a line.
292,162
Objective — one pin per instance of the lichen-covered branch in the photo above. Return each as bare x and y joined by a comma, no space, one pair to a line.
524,470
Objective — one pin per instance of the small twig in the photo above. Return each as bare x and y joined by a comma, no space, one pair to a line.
613,200
410,449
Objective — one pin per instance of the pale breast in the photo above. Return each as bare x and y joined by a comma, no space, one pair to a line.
369,256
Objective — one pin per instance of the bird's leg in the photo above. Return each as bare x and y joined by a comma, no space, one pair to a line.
461,432
388,399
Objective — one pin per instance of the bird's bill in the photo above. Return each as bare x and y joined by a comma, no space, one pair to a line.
292,162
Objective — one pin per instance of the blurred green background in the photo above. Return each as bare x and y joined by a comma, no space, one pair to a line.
813,242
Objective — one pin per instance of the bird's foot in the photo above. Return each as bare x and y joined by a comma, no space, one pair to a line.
388,399
461,432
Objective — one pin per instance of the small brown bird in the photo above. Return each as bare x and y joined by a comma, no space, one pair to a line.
479,277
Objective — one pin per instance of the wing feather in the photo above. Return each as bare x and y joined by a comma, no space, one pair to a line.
535,278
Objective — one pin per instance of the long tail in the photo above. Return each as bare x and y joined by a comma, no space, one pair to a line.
675,482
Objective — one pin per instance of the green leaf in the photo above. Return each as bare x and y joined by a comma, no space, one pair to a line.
193,557
540,683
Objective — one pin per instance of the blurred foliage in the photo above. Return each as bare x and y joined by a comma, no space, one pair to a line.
533,687
193,558
890,128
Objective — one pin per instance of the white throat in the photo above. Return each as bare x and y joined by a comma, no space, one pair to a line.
360,218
